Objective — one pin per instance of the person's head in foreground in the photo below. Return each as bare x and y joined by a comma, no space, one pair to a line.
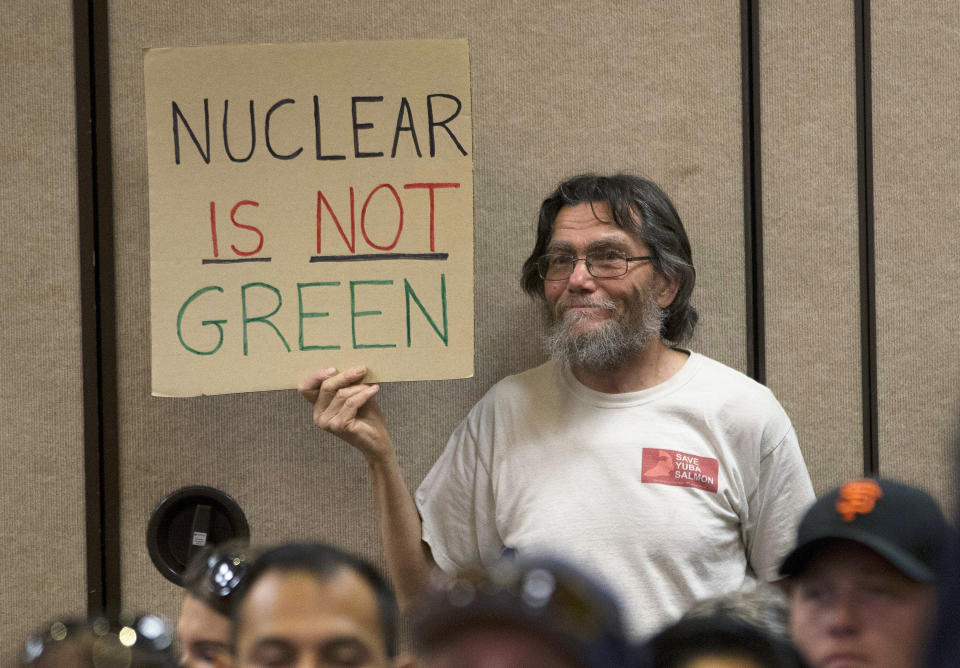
742,629
634,284
204,624
310,604
142,642
862,578
719,640
538,612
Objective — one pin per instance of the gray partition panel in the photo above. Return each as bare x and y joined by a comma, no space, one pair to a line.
810,255
557,88
42,541
916,113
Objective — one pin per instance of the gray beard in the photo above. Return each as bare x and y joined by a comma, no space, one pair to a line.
612,345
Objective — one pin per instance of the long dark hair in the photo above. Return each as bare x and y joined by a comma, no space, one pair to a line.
643,210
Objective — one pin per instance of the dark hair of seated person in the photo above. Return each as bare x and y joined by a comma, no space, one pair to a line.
323,562
719,635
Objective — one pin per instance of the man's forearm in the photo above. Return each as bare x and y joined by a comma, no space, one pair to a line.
408,560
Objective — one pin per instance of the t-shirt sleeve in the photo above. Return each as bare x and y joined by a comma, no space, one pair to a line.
456,502
783,494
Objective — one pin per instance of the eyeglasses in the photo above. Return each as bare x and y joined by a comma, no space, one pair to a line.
146,640
224,573
600,264
216,572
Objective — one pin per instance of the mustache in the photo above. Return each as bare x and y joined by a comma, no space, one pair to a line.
596,302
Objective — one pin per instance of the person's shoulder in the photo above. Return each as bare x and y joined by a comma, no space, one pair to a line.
519,387
712,369
741,403
732,386
524,381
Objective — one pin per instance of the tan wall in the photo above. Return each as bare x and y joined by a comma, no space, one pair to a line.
550,98
557,87
916,115
810,228
42,568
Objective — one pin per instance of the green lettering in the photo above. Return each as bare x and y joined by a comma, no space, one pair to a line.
265,319
304,314
216,323
354,314
408,292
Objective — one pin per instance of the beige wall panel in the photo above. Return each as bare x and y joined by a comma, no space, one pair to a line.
810,249
42,569
558,87
916,116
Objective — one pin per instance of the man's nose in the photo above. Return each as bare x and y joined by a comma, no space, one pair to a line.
580,277
843,615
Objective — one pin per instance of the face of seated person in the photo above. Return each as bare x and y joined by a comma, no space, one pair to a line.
851,607
710,660
496,646
204,635
293,619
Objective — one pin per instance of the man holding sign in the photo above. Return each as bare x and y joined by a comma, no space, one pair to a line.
669,474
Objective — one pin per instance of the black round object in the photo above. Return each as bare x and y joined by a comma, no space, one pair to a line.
188,520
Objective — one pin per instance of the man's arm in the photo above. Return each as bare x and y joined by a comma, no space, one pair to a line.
346,408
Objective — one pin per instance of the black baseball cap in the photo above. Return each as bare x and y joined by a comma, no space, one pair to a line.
902,524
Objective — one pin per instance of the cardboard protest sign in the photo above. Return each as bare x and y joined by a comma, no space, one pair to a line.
311,206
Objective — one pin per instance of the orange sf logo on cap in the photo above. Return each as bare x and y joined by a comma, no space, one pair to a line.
858,497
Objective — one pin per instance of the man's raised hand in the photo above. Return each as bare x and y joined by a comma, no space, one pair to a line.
345,407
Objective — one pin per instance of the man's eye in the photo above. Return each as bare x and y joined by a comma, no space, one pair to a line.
560,260
606,256
881,590
350,653
274,657
813,593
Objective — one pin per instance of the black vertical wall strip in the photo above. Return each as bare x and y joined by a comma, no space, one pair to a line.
752,202
98,306
868,304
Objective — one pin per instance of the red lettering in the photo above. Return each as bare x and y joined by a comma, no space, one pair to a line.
233,220
431,187
213,228
363,216
352,242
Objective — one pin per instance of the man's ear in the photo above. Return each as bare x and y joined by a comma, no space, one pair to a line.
405,661
666,291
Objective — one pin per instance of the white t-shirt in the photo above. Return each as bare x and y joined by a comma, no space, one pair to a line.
671,494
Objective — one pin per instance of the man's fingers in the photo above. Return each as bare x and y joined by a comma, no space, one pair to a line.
342,408
333,384
309,387
340,398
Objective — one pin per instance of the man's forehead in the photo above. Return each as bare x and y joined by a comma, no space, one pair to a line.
585,212
296,599
845,557
592,220
195,614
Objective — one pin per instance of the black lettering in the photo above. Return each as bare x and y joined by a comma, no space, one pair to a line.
405,128
443,123
266,132
176,132
316,134
253,133
362,126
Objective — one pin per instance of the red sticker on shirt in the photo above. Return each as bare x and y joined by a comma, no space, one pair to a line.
669,467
